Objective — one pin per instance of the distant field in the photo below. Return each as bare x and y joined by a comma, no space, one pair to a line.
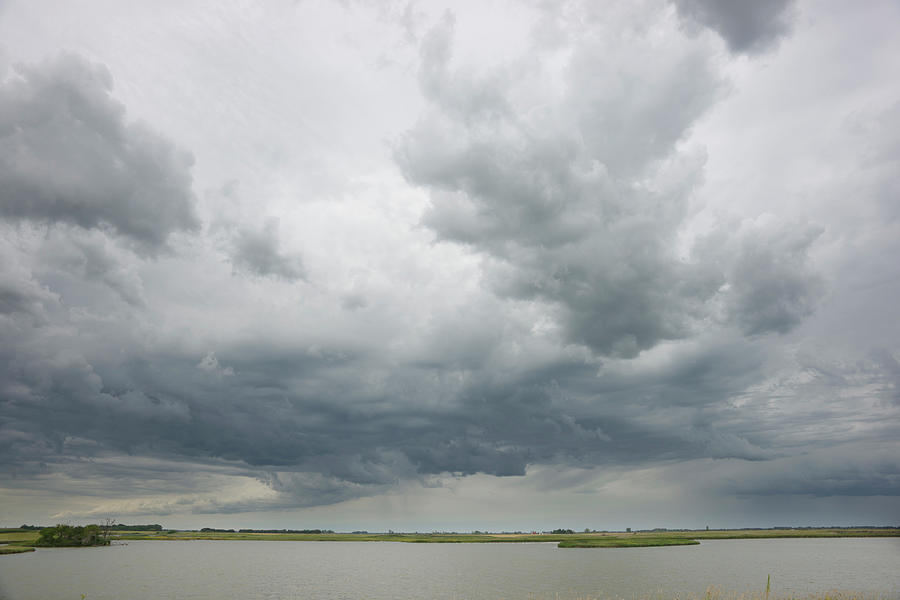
732,534
576,540
18,535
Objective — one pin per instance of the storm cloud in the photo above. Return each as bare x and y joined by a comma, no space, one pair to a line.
557,254
745,26
580,204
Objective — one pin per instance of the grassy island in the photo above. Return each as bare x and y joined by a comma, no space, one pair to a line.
632,542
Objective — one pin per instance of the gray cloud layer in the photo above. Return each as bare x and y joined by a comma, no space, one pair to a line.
568,308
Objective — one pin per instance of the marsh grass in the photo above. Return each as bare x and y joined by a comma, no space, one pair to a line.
17,541
15,549
625,542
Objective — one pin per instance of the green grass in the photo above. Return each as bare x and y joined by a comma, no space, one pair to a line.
18,535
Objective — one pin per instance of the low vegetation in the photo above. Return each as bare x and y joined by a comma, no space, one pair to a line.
15,549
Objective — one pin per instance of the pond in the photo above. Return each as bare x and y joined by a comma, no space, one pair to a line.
226,570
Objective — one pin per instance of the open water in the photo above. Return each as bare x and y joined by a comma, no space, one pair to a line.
245,570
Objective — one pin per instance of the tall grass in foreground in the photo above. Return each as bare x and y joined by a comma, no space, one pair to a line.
716,594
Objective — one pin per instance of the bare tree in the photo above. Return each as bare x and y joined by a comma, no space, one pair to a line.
108,524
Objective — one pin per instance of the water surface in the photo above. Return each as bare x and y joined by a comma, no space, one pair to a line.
244,570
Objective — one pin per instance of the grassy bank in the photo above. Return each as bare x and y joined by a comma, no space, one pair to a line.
6,549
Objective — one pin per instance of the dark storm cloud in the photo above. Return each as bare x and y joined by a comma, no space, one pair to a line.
258,252
67,155
579,211
603,336
312,420
312,428
745,26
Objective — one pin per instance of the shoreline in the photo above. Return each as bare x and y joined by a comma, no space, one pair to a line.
23,540
567,540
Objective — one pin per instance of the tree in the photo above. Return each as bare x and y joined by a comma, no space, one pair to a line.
108,523
66,535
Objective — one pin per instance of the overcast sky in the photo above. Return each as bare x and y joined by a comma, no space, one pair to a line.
450,265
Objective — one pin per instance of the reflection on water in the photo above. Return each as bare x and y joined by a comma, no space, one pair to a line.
244,570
